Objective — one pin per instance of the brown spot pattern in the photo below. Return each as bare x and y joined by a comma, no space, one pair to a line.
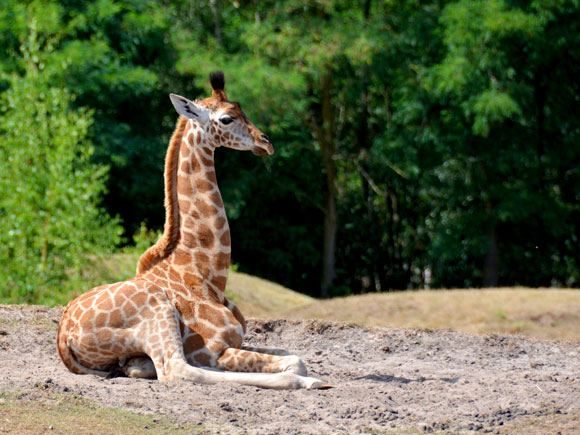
216,199
219,282
203,186
195,164
207,161
106,304
129,309
220,222
181,258
205,236
184,186
101,319
205,209
174,275
225,239
211,177
203,264
189,240
207,332
186,167
189,222
192,343
212,314
192,280
231,337
139,298
116,319
222,261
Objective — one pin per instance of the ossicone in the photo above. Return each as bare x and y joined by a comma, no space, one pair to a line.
217,80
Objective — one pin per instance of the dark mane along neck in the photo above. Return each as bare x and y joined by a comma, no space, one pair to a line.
168,241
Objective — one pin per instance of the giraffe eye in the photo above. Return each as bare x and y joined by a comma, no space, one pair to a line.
226,119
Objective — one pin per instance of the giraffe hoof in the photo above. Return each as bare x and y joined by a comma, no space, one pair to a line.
325,387
316,384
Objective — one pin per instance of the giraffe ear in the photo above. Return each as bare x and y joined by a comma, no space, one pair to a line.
188,108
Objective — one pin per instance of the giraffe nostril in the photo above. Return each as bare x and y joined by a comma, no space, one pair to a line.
265,138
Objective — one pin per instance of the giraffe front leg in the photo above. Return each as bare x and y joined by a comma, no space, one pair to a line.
180,370
242,360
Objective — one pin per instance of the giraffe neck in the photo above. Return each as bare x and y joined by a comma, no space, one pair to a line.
194,250
203,248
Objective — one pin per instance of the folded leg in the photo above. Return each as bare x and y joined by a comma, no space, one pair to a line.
241,360
267,350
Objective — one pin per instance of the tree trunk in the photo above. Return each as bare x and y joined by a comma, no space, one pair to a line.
491,267
330,227
326,141
491,272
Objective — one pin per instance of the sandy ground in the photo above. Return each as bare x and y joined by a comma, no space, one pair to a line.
386,380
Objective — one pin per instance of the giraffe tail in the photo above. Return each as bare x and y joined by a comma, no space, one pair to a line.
66,353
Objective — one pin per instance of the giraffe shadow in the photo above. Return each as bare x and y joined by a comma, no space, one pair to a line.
401,380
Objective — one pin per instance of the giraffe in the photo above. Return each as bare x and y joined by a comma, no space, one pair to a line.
172,320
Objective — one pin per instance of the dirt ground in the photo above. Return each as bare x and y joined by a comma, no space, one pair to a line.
386,380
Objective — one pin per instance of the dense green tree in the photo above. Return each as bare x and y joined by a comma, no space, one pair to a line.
511,142
50,223
400,114
117,57
408,135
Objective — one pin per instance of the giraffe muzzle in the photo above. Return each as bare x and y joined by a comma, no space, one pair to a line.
264,148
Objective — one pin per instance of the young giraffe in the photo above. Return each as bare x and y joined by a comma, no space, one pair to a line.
172,320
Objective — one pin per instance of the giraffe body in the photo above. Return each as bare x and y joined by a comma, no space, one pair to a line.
172,320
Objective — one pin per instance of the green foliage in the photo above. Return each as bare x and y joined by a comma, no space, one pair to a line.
50,222
501,175
144,238
117,58
449,131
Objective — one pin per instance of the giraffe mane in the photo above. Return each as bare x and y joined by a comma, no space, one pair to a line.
168,241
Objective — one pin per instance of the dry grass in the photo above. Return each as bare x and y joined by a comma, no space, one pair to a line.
259,298
539,313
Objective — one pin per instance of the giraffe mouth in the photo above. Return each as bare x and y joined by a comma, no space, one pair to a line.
268,149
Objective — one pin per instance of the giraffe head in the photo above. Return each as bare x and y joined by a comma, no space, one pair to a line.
222,120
